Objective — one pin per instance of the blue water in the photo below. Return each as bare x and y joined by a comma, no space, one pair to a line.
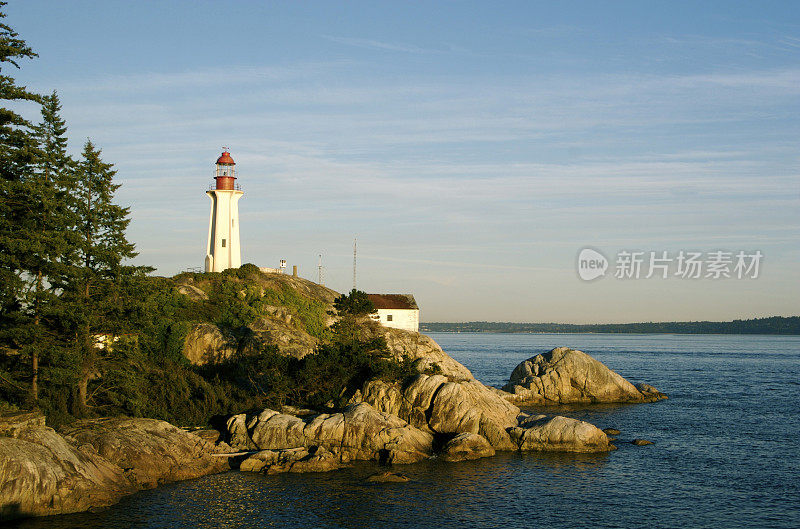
725,454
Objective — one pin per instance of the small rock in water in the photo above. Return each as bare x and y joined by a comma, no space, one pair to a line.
641,442
388,477
611,431
466,446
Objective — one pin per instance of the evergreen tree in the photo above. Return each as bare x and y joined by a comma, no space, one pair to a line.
356,303
53,162
92,286
17,145
49,236
17,148
350,308
17,156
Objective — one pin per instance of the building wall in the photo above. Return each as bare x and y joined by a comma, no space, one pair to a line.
223,228
407,319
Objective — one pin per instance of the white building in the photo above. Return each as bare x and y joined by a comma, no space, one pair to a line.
223,250
399,311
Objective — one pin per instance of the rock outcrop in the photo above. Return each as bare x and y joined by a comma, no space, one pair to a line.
426,353
566,375
314,459
392,424
559,434
466,446
42,473
440,406
192,292
150,451
471,411
92,463
205,344
279,325
282,329
358,433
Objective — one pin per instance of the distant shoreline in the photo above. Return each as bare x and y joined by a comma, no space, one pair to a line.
424,331
775,325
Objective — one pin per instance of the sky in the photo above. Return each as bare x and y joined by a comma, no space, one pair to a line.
472,148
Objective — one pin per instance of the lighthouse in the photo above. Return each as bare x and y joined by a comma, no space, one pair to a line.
223,250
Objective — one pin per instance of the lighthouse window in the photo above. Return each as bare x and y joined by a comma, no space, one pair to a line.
388,317
223,243
233,222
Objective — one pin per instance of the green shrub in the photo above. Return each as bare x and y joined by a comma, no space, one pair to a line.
248,271
312,313
356,303
238,304
325,379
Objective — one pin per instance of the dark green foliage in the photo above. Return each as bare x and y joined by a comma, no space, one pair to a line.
325,379
17,147
35,218
153,310
351,309
247,270
93,283
331,375
132,384
170,390
356,303
49,236
238,304
17,153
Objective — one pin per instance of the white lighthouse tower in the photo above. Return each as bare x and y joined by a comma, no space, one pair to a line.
223,250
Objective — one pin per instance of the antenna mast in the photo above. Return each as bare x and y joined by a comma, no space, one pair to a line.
354,262
319,270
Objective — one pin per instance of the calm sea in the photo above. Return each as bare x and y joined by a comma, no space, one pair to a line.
726,454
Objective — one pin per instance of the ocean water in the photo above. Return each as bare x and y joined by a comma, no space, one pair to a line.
725,454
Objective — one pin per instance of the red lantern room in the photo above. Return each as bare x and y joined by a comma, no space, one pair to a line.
225,171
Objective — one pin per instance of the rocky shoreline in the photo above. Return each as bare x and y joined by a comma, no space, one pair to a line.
452,416
92,463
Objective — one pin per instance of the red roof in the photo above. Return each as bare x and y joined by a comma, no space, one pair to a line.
226,159
393,301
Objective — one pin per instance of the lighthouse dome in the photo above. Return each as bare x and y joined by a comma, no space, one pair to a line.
226,159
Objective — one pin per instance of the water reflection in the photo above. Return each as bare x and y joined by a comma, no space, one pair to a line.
447,493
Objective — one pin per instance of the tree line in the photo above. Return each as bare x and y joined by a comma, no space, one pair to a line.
63,249
770,325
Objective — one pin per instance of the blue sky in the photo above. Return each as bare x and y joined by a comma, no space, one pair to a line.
473,148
